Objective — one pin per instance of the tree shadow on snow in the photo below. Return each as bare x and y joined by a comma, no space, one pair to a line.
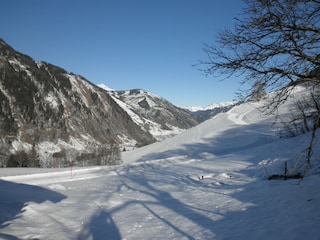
152,183
263,216
237,141
15,196
101,226
156,199
277,210
230,141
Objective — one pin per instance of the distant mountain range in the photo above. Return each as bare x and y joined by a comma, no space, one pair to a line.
204,113
209,107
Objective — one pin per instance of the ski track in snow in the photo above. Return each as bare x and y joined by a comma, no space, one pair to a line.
207,183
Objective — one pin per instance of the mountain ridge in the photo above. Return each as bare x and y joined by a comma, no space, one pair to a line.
45,109
153,113
42,103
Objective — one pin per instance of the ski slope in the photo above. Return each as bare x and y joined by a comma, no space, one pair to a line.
209,182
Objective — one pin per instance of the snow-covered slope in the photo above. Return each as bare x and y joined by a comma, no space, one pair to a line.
209,182
153,113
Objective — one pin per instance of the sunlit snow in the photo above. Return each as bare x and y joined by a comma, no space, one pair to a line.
209,182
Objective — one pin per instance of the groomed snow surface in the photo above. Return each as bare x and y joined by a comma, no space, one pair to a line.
209,182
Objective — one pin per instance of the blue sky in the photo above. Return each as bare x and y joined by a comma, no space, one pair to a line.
126,44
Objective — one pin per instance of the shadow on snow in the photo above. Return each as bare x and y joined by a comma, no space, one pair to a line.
154,183
242,137
15,196
101,226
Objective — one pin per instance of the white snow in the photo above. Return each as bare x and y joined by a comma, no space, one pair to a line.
52,99
127,108
19,66
19,146
208,107
105,87
80,87
209,182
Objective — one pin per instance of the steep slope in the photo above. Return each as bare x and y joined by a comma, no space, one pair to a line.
47,109
153,113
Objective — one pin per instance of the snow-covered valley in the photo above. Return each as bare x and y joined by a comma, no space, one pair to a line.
209,182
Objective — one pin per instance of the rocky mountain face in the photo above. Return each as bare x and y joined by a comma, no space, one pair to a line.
153,113
52,118
49,117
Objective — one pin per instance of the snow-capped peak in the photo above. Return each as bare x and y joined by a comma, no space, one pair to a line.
105,87
208,107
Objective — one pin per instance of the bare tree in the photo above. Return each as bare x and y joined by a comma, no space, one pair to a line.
19,159
34,160
275,41
4,155
258,91
303,115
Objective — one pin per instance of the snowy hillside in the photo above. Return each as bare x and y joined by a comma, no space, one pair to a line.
48,114
152,113
209,182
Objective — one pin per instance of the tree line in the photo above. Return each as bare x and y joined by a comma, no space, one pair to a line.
104,155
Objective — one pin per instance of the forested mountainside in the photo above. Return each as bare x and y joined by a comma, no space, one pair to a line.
48,113
46,110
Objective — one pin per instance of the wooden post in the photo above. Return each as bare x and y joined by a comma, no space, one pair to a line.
71,169
285,170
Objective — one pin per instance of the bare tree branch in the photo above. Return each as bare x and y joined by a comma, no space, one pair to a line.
276,42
